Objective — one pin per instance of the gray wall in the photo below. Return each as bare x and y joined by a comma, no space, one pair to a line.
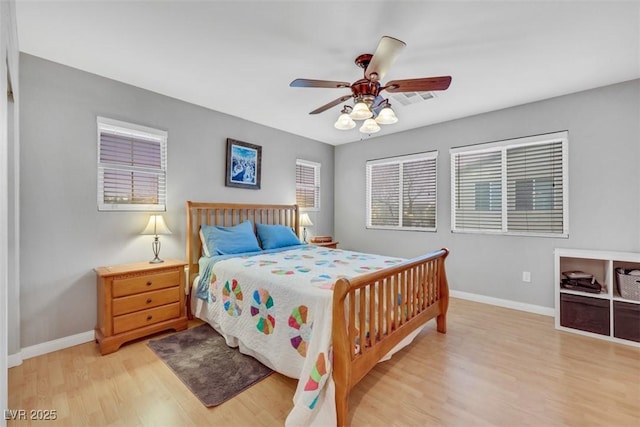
604,191
63,236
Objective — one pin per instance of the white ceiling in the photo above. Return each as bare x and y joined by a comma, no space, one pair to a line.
239,57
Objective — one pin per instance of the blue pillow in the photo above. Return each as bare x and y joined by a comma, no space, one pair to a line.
276,236
230,240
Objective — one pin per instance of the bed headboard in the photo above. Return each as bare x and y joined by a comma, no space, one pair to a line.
229,214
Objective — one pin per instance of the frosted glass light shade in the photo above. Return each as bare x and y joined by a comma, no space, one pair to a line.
344,122
156,226
386,116
369,126
360,112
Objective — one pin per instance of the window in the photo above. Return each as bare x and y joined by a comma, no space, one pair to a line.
488,196
132,167
517,186
308,185
534,194
401,192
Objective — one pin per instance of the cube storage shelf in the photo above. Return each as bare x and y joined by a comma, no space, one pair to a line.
606,315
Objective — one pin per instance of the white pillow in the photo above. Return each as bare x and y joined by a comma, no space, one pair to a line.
203,243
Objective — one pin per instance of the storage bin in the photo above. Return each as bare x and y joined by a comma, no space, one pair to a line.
626,320
585,313
628,285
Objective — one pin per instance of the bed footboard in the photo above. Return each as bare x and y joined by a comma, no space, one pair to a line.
372,313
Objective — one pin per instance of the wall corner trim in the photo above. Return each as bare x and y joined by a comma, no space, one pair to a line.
14,360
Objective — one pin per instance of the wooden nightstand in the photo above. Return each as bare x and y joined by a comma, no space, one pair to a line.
331,245
136,300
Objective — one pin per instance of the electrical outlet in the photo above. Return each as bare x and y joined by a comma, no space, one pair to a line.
526,276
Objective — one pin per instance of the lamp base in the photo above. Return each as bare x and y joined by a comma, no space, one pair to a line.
155,245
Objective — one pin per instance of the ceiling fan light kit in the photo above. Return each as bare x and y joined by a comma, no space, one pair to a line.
369,105
361,111
344,122
369,126
386,116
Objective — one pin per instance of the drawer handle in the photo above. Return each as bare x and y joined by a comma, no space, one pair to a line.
149,300
149,317
149,283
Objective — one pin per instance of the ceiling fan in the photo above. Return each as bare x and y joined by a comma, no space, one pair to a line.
369,103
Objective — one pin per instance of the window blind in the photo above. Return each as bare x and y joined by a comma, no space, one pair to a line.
535,188
384,190
512,187
478,195
401,192
131,167
308,184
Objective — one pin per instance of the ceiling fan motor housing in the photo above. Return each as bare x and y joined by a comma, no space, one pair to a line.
365,89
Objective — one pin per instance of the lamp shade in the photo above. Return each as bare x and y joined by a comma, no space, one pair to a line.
305,221
361,111
344,122
369,126
156,226
386,116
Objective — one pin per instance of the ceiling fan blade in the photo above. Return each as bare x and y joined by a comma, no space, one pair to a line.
418,85
331,104
318,83
387,51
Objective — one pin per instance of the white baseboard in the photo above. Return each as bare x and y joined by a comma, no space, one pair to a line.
49,347
84,337
537,309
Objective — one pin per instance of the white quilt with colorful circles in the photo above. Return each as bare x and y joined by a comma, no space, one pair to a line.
277,307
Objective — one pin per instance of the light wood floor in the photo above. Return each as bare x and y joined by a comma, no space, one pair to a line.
494,367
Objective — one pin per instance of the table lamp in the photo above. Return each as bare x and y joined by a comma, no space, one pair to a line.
305,222
155,227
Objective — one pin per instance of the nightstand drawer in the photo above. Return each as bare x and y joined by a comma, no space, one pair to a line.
145,283
143,318
146,300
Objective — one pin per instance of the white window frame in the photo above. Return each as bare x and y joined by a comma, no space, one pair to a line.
400,160
316,187
502,147
136,131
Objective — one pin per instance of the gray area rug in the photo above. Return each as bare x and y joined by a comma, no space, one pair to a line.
213,371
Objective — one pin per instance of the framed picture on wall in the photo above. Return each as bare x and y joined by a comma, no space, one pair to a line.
243,164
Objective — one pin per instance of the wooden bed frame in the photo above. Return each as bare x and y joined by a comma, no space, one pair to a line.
415,291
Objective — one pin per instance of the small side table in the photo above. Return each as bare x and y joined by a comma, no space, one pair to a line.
332,245
136,300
